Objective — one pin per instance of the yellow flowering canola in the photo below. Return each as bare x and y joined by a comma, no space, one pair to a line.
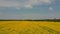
29,27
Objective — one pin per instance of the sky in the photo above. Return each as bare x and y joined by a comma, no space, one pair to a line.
29,9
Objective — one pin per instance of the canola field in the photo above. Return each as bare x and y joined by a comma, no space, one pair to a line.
29,27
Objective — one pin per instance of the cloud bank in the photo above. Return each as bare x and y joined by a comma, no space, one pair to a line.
23,3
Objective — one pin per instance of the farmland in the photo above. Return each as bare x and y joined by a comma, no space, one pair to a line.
29,27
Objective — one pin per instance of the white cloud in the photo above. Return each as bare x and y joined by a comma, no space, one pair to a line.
23,3
50,8
28,6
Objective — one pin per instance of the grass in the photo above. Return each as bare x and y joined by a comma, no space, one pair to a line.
29,27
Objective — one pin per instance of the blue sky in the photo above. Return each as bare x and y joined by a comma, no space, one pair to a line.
29,9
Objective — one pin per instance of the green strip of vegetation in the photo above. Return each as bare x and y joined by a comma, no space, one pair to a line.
51,20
